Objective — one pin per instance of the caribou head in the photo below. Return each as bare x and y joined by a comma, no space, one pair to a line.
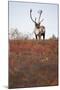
39,30
37,24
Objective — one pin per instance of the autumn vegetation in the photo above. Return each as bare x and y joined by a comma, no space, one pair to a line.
33,63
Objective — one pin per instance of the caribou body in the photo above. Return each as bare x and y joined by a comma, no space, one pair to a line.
39,29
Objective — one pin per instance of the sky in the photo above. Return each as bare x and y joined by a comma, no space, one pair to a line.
19,17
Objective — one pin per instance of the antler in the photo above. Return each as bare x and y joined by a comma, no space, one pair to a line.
31,16
40,12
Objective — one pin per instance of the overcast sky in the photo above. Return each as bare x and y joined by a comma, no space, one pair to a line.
19,17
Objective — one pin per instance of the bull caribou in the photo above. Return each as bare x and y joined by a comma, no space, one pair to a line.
39,29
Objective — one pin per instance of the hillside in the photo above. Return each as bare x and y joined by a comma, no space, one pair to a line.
33,63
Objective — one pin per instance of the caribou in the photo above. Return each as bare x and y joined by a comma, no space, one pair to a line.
39,29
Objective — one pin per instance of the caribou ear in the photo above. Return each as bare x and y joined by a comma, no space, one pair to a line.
35,19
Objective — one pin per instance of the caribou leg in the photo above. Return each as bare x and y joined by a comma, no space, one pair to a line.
39,36
44,36
36,36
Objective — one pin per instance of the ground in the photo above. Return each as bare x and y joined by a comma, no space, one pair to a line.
33,63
